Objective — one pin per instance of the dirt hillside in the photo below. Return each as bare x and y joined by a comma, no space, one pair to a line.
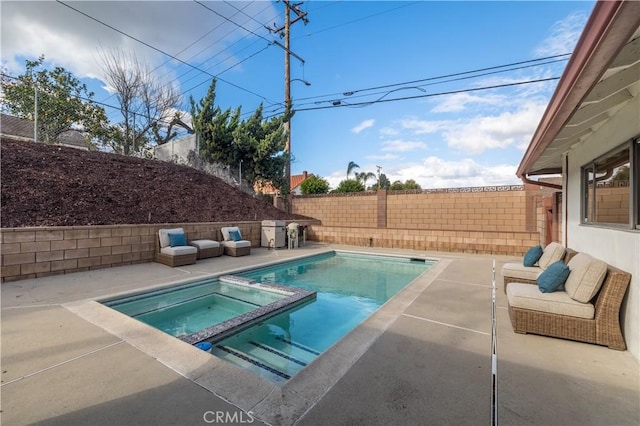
47,185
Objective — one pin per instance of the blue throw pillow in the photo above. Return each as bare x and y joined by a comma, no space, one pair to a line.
553,278
177,240
532,256
235,235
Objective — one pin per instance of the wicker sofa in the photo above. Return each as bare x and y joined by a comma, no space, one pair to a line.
559,315
528,274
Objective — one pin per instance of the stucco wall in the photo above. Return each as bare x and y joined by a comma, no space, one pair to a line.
618,247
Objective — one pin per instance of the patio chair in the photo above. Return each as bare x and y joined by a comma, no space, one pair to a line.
172,248
233,243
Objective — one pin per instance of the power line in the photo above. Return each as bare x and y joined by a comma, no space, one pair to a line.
160,51
340,104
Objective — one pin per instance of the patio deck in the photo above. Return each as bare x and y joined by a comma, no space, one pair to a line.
423,358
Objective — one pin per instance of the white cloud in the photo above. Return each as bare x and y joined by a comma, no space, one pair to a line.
399,145
459,101
69,39
362,126
564,35
382,157
490,132
423,126
436,172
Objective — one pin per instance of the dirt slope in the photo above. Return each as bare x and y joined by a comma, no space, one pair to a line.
46,185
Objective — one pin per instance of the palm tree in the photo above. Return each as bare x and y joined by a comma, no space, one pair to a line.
364,177
352,165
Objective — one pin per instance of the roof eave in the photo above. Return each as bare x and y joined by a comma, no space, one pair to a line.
610,26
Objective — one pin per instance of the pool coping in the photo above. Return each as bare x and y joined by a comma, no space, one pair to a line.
264,400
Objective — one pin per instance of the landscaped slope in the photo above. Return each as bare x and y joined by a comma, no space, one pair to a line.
48,185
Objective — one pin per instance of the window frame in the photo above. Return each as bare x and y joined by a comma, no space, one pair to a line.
588,192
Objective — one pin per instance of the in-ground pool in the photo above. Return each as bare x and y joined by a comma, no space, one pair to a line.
347,288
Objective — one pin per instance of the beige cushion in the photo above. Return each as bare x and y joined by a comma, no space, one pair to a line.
585,278
204,244
237,244
527,296
518,270
551,254
178,250
163,234
225,232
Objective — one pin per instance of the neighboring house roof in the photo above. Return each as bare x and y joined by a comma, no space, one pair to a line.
601,76
21,128
16,127
294,182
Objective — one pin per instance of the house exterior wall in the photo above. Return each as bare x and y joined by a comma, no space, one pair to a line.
177,149
618,247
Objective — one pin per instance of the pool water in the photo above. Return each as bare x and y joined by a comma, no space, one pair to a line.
184,311
349,289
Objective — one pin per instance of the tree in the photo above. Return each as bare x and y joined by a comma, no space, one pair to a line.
349,185
314,185
64,103
352,165
383,182
364,177
148,106
396,186
411,184
257,143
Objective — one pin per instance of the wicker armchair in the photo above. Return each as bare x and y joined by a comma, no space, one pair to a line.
568,255
604,329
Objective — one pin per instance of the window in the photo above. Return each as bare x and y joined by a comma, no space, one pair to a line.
610,186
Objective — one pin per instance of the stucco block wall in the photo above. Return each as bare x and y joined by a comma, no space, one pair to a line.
618,247
353,210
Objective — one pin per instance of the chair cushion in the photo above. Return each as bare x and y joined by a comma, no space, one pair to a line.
235,235
586,277
553,278
551,254
225,232
163,235
527,296
176,240
179,250
205,244
532,255
237,244
518,270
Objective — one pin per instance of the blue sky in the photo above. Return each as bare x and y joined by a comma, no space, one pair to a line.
360,57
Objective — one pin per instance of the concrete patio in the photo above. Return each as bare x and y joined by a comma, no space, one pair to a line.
423,358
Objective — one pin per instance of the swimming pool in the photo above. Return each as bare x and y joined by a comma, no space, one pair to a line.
347,287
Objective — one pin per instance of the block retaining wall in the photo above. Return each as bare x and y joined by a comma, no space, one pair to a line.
42,251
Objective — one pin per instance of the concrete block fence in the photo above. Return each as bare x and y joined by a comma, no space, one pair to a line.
42,251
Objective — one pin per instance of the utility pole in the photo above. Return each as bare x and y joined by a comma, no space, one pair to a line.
284,32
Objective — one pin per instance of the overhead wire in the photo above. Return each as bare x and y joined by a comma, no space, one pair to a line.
161,51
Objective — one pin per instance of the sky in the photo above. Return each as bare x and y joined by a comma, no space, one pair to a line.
448,93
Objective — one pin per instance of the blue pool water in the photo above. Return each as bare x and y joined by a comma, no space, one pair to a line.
191,308
349,289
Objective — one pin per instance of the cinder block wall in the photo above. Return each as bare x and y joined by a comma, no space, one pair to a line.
497,220
42,251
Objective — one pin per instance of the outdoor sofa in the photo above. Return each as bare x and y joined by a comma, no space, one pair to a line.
587,309
552,253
